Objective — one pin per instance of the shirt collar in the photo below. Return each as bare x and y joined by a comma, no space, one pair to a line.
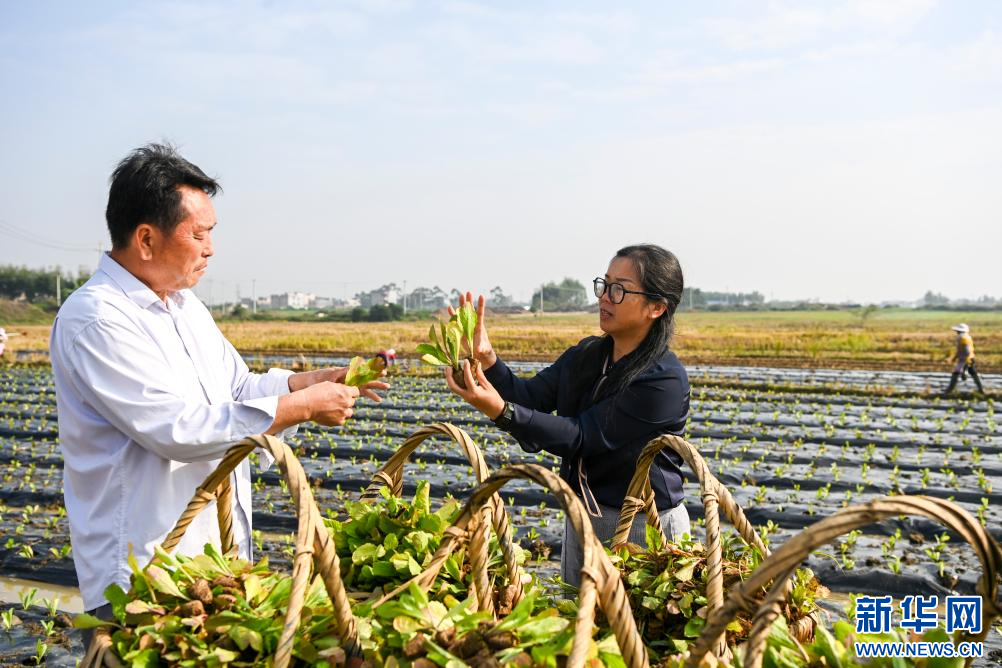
134,289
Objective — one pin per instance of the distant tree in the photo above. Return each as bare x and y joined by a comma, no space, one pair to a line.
379,313
359,314
498,298
426,298
568,295
36,284
935,299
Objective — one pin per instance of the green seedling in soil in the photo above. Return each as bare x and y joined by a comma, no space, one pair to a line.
982,510
7,618
52,605
41,649
935,553
446,347
27,598
61,553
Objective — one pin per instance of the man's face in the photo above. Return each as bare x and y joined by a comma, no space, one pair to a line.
184,254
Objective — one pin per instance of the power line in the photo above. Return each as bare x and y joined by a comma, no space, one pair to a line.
11,231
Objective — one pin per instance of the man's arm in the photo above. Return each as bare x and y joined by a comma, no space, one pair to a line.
115,372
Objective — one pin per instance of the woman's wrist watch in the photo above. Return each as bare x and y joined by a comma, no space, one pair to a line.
503,421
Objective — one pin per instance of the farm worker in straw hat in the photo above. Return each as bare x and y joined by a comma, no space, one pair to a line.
150,394
611,395
963,357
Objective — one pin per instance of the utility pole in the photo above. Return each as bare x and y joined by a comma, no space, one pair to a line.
405,297
254,296
541,286
59,291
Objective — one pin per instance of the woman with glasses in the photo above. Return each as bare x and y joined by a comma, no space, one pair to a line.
603,400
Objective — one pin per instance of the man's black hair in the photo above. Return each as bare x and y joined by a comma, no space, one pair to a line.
144,189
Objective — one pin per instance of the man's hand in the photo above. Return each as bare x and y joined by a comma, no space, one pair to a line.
331,404
484,398
335,374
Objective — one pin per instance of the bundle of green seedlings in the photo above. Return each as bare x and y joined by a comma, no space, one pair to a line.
213,610
667,589
384,544
455,341
217,610
414,631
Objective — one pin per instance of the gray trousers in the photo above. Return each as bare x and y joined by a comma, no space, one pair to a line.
674,521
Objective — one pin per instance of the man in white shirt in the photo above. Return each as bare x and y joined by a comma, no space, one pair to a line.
150,394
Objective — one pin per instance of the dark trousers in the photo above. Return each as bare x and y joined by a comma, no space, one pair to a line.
972,369
105,613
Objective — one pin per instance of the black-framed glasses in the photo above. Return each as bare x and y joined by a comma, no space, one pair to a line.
617,292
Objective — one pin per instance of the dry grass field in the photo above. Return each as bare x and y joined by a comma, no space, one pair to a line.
884,339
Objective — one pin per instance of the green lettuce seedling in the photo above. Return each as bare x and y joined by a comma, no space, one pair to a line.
362,371
446,346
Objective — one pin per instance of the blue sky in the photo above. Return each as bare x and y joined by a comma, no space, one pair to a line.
838,150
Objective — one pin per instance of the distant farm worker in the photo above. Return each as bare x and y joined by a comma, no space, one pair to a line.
612,394
3,341
963,359
150,394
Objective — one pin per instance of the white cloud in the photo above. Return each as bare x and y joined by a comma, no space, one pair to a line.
794,24
979,60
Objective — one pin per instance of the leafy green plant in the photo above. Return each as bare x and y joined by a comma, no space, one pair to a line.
416,631
448,345
7,618
41,649
27,597
212,610
388,542
667,589
361,371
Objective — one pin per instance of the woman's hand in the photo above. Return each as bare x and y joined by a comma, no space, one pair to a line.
482,351
484,398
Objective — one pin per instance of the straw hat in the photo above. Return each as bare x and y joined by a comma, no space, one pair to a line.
961,328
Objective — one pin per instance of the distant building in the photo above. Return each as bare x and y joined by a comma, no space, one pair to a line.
386,294
294,300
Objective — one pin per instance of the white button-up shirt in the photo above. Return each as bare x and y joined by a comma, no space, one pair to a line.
150,396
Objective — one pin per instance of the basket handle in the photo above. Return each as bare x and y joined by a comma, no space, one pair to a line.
783,563
715,495
313,542
600,580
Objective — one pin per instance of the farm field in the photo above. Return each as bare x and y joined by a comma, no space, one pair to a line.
887,339
793,446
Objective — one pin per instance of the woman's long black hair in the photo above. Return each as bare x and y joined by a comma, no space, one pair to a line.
660,274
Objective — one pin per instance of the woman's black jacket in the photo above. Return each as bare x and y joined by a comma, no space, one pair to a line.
605,432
